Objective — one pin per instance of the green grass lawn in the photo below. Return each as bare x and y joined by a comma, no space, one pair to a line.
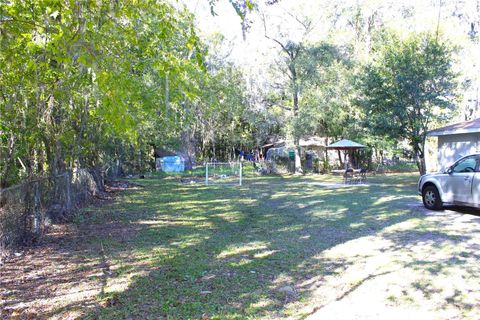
277,247
262,250
226,251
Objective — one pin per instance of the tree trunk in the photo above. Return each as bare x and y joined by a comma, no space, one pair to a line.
298,162
9,162
214,151
296,140
422,168
188,148
295,99
326,150
419,151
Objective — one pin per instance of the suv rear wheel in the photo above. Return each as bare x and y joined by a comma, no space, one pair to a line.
431,198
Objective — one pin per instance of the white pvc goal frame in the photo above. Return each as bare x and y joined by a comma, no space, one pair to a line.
214,165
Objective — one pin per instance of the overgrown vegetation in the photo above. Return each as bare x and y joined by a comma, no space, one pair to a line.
109,85
80,81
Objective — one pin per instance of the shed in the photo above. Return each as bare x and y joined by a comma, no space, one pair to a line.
310,143
456,140
171,164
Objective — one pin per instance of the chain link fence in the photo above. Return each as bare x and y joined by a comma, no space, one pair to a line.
26,209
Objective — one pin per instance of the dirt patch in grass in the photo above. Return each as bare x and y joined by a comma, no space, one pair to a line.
121,185
61,277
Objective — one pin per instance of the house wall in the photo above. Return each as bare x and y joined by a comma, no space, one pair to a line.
431,154
452,147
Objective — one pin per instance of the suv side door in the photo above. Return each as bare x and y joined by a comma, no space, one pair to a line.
476,186
458,183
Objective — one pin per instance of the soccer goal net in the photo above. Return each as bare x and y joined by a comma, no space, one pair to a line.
229,173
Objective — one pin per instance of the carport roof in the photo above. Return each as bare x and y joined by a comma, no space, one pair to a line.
345,144
471,126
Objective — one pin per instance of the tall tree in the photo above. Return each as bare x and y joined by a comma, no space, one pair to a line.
408,88
300,62
78,77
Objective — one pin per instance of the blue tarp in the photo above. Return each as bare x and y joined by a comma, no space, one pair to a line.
172,164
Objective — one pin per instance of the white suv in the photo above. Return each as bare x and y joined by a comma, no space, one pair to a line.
459,185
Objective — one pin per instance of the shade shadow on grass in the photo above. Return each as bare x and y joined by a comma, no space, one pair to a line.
227,251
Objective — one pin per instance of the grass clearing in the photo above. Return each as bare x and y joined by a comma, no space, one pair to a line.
278,247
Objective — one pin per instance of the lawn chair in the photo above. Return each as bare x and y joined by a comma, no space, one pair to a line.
348,176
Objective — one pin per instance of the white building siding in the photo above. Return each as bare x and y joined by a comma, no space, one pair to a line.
431,154
452,147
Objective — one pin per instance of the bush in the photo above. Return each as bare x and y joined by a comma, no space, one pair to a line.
326,166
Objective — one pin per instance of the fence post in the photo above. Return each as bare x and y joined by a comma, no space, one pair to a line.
38,222
27,214
206,173
68,205
240,180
